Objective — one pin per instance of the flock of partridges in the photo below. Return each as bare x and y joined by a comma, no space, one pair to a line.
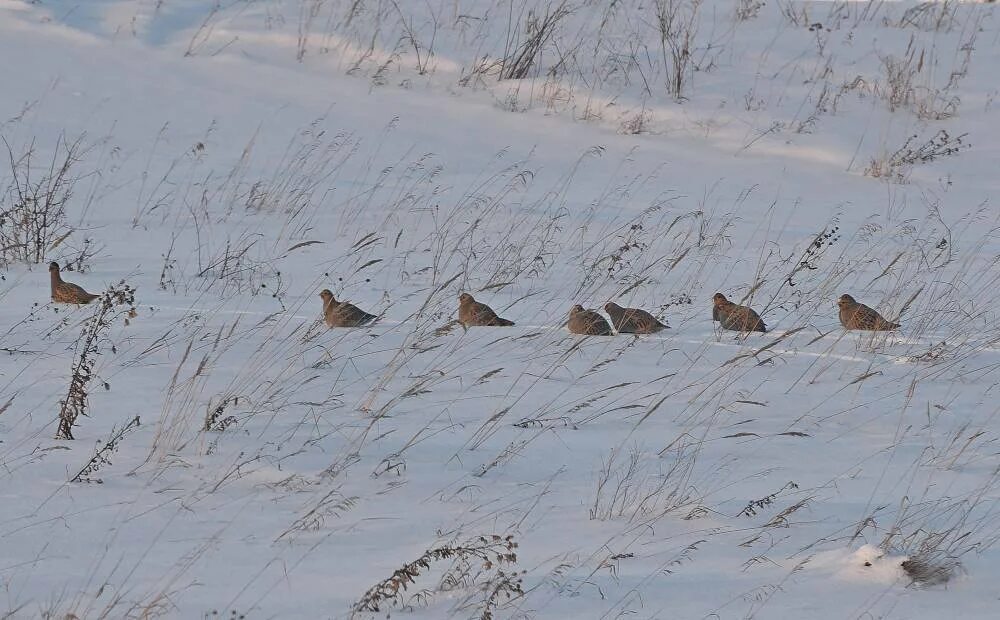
471,313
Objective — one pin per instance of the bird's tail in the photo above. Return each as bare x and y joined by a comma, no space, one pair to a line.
504,322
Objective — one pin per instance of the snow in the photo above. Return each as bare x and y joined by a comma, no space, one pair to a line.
690,474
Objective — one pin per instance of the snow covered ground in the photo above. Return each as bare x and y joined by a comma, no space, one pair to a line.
230,159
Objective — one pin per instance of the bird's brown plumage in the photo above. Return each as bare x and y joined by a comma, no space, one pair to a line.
343,314
471,313
587,322
854,315
66,292
734,317
633,320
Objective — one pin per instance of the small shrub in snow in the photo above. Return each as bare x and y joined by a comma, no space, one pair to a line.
102,455
215,420
635,124
117,301
489,553
538,29
908,81
33,207
896,165
677,25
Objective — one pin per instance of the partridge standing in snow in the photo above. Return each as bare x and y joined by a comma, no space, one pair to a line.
859,316
587,322
633,320
343,314
67,292
734,317
471,313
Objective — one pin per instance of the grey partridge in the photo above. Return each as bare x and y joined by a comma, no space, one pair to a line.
343,314
633,320
734,317
471,313
66,292
587,322
859,316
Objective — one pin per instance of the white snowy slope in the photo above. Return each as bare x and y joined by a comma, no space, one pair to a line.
229,160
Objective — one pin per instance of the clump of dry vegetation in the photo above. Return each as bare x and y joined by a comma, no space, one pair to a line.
116,303
102,455
33,216
896,166
475,564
